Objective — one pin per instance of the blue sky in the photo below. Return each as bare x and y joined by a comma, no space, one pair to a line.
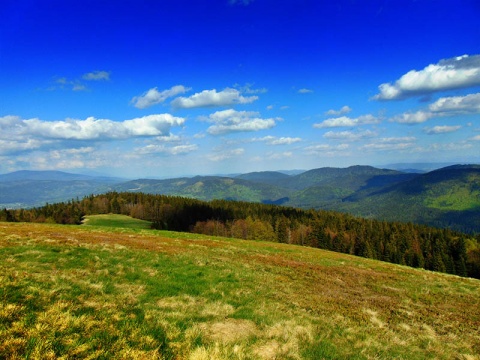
170,88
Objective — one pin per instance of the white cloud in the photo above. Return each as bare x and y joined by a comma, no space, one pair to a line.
153,96
97,75
212,98
162,149
272,140
349,135
445,106
448,74
469,104
326,149
346,121
284,141
228,121
344,110
305,91
16,129
413,117
441,129
476,138
222,154
391,143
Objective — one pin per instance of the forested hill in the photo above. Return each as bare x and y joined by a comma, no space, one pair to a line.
447,198
402,243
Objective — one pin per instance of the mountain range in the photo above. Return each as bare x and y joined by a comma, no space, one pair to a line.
446,197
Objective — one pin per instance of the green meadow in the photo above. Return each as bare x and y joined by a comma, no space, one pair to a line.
116,221
113,289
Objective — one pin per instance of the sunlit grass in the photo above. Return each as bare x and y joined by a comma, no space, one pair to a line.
78,292
116,220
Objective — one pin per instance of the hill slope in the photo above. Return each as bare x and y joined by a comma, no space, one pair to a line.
85,291
207,188
446,197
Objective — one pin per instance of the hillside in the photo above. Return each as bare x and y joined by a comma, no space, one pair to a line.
92,292
207,188
447,197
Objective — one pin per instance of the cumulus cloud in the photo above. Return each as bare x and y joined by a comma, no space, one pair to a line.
212,98
441,129
344,110
445,106
469,104
346,121
413,117
96,76
349,135
17,134
228,121
448,74
153,96
92,128
273,140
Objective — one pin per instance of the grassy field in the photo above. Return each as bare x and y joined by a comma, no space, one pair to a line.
98,292
117,221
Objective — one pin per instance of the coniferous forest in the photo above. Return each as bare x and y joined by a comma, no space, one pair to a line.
408,244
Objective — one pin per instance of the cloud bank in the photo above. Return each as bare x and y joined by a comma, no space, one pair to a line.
17,134
455,73
445,106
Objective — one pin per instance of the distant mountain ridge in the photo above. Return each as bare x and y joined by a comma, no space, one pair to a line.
446,197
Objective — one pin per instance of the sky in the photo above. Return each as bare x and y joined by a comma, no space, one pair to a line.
175,88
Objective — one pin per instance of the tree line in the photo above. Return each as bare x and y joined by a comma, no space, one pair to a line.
409,244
